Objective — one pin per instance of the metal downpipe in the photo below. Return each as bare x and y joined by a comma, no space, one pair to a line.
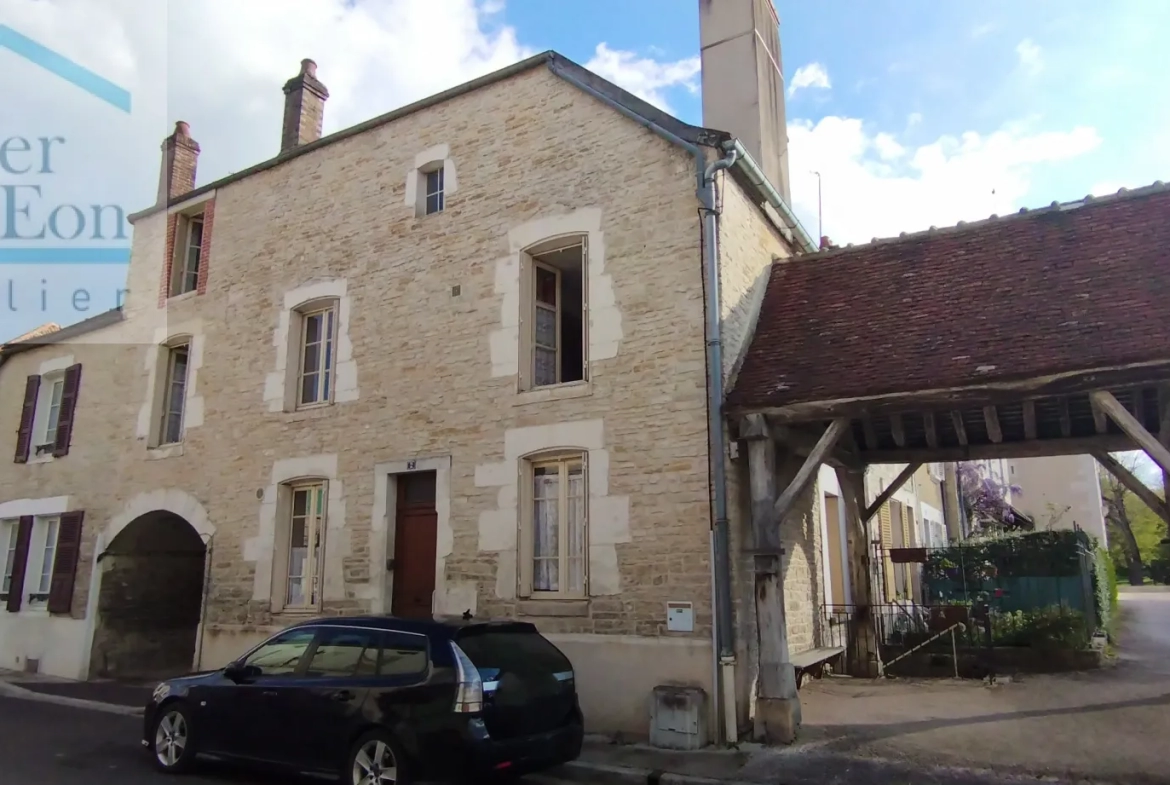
725,631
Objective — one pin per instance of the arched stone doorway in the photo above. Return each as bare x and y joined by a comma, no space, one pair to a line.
150,599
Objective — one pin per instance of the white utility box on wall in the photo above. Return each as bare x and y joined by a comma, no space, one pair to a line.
678,717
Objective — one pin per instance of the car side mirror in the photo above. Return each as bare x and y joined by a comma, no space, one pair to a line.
238,672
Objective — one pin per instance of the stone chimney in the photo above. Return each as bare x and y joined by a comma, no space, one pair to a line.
304,108
180,155
743,85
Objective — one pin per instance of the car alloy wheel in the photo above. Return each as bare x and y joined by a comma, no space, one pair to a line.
172,737
374,764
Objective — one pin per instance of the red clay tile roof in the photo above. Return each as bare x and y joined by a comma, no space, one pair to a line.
43,330
1065,288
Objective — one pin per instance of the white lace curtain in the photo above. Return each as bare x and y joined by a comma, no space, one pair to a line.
549,483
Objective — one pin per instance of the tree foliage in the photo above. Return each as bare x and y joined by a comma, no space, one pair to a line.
1135,533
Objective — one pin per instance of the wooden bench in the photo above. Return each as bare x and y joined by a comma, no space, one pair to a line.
812,662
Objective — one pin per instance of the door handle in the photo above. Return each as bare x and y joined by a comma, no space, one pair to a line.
342,695
269,693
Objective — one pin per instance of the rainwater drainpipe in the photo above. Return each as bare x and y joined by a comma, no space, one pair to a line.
716,447
723,634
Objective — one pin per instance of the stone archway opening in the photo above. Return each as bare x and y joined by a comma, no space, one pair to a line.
150,599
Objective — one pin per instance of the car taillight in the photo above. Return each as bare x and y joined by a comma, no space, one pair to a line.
469,692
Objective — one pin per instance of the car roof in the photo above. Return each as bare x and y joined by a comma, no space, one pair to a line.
441,626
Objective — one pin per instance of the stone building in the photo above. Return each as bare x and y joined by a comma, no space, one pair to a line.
452,359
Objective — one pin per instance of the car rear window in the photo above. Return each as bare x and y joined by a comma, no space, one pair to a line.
519,650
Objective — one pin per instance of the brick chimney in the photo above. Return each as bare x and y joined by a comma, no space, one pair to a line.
826,243
743,85
304,108
180,155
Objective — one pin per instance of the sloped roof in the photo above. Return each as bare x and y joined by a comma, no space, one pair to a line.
1069,287
44,329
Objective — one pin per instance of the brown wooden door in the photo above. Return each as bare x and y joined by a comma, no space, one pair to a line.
416,532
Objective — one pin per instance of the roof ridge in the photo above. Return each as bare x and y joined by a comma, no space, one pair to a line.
1122,194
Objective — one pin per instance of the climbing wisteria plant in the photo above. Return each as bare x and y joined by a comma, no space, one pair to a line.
986,499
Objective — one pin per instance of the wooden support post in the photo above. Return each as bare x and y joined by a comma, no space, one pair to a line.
991,418
808,470
777,707
1029,419
1133,429
1134,485
890,490
898,430
960,427
931,429
1164,437
862,653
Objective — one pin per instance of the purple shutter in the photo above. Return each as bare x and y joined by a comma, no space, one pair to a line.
16,586
32,388
65,562
68,405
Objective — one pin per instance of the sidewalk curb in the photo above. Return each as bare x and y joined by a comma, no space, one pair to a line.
7,689
584,771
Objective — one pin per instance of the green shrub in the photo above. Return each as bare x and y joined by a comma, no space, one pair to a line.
1104,587
1044,628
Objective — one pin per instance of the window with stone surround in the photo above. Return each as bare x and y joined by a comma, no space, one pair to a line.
433,189
174,393
316,355
554,526
553,319
303,544
188,251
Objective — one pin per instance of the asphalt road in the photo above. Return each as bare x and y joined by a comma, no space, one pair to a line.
47,744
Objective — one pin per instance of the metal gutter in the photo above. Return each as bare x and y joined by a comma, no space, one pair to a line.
752,171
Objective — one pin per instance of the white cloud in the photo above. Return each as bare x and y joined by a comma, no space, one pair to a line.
644,77
811,75
1031,60
875,187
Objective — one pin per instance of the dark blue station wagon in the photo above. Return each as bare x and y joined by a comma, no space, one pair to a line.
375,700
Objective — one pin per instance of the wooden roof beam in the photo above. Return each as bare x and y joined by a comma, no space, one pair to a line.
889,491
960,427
1133,429
1038,448
991,419
1134,485
1029,419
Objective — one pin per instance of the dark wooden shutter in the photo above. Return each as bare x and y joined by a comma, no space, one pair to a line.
65,562
32,388
68,405
16,586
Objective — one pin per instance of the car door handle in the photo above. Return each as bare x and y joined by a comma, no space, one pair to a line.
269,693
342,695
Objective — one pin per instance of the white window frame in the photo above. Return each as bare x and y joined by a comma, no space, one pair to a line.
168,393
316,518
49,399
9,531
182,269
43,544
326,385
440,193
563,460
530,267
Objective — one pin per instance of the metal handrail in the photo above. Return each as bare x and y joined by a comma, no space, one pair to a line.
954,646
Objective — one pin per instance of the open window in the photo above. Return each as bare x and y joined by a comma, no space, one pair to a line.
316,355
174,393
554,328
188,252
554,526
301,544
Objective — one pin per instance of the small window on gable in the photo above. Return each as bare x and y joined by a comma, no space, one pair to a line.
174,394
554,341
554,526
188,248
317,356
433,190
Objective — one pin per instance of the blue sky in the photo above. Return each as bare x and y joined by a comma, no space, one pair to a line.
914,113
